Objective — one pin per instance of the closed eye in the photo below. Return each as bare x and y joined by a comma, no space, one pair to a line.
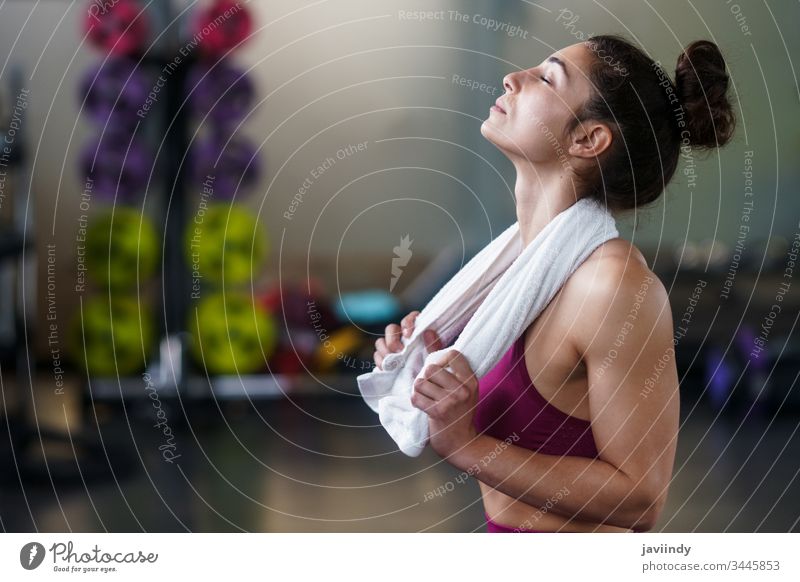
545,80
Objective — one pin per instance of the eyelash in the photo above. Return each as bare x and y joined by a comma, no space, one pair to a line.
545,80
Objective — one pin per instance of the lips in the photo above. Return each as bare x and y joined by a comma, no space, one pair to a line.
499,107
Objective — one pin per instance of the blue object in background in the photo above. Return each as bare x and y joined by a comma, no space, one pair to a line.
368,307
720,377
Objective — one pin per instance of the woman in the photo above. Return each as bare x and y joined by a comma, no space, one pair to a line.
575,428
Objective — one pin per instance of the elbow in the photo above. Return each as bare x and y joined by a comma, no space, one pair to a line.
647,511
645,523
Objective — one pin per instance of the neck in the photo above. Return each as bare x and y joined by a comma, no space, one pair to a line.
541,194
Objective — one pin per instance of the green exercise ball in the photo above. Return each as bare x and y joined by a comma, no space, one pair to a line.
232,334
111,338
121,245
225,242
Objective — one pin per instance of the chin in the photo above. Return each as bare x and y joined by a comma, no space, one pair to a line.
495,137
489,132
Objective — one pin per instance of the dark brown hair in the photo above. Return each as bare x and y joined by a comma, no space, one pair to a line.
651,117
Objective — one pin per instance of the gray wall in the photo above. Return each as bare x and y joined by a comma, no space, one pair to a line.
761,49
342,72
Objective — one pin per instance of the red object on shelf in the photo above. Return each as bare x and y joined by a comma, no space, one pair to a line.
286,361
119,28
295,354
300,305
222,26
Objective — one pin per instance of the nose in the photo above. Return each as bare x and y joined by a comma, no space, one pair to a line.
511,83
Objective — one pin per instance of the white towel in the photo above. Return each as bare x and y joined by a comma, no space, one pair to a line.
490,302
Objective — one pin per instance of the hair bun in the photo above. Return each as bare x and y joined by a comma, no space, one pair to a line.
702,84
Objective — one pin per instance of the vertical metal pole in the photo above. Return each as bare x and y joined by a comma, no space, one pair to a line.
175,280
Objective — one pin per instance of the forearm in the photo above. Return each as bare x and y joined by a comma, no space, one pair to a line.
597,491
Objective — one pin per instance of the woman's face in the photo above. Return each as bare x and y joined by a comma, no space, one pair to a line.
529,119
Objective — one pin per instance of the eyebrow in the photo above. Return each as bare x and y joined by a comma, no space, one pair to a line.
560,63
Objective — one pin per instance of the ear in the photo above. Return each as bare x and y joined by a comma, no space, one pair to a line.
590,139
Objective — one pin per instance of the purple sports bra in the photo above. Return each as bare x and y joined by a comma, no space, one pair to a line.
509,404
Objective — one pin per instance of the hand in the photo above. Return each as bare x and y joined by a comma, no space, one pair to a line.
391,343
449,400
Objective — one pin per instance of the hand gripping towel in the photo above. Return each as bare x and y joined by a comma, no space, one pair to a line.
487,305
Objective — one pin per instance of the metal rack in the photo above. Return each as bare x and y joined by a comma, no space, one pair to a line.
168,369
16,256
27,439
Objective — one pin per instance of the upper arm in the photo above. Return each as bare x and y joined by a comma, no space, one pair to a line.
624,333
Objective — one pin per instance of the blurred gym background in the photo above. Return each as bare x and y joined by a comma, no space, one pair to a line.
211,209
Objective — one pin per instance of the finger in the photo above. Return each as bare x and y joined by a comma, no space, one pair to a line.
442,377
430,389
458,364
380,346
424,403
378,359
408,322
393,342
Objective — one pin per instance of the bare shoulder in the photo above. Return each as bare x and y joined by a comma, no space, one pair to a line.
613,266
612,285
615,250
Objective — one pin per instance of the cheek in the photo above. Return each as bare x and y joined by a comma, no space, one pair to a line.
542,117
533,129
540,127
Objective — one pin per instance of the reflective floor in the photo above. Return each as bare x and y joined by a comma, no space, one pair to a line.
322,464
